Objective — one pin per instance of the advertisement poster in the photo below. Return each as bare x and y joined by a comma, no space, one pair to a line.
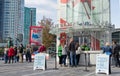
35,35
102,63
39,61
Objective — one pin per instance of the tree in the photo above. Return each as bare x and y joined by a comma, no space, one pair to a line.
47,38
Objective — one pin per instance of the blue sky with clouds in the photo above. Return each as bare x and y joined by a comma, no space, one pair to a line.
115,13
48,8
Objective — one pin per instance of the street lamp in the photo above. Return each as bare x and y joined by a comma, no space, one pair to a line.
10,42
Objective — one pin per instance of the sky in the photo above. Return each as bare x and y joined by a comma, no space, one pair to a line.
48,8
115,13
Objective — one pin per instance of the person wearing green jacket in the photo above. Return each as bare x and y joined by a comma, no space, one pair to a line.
60,54
84,47
87,48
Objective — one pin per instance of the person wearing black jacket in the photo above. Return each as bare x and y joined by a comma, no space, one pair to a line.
115,52
72,53
15,54
21,52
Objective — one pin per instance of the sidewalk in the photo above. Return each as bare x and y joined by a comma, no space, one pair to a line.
26,69
80,71
74,71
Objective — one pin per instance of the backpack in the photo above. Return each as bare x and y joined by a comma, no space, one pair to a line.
28,50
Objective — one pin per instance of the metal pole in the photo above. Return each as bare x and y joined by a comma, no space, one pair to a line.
110,11
31,17
55,61
86,63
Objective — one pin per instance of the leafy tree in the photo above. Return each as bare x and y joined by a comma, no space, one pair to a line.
47,38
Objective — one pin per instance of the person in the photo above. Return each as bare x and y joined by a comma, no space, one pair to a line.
115,53
64,53
78,50
6,54
15,55
108,51
21,53
72,53
60,54
11,53
85,47
28,53
42,49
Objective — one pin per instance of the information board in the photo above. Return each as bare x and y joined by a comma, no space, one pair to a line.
102,63
39,61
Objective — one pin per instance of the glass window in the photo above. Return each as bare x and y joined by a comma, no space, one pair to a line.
7,12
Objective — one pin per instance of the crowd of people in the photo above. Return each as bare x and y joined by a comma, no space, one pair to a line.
113,50
72,51
15,53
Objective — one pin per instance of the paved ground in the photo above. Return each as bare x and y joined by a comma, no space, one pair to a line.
26,69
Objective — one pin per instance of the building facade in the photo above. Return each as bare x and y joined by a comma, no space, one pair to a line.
1,19
116,35
12,19
88,21
29,20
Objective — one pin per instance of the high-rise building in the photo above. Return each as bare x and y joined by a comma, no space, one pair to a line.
1,19
29,20
11,19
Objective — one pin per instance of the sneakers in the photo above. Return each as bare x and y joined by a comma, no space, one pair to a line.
60,65
65,65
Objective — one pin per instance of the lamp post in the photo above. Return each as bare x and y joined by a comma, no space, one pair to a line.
31,17
10,42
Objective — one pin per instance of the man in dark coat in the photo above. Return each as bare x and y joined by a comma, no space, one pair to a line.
72,53
115,51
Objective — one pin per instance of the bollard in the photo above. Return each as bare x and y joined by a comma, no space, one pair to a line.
56,62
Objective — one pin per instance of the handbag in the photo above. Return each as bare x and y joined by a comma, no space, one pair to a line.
77,52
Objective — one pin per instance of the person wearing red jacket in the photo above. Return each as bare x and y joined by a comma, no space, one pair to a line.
11,53
42,49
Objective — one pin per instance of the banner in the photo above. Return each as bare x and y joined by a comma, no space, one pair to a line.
35,35
63,37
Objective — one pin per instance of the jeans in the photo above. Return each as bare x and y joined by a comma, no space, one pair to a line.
5,58
116,59
28,57
73,58
64,59
15,58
